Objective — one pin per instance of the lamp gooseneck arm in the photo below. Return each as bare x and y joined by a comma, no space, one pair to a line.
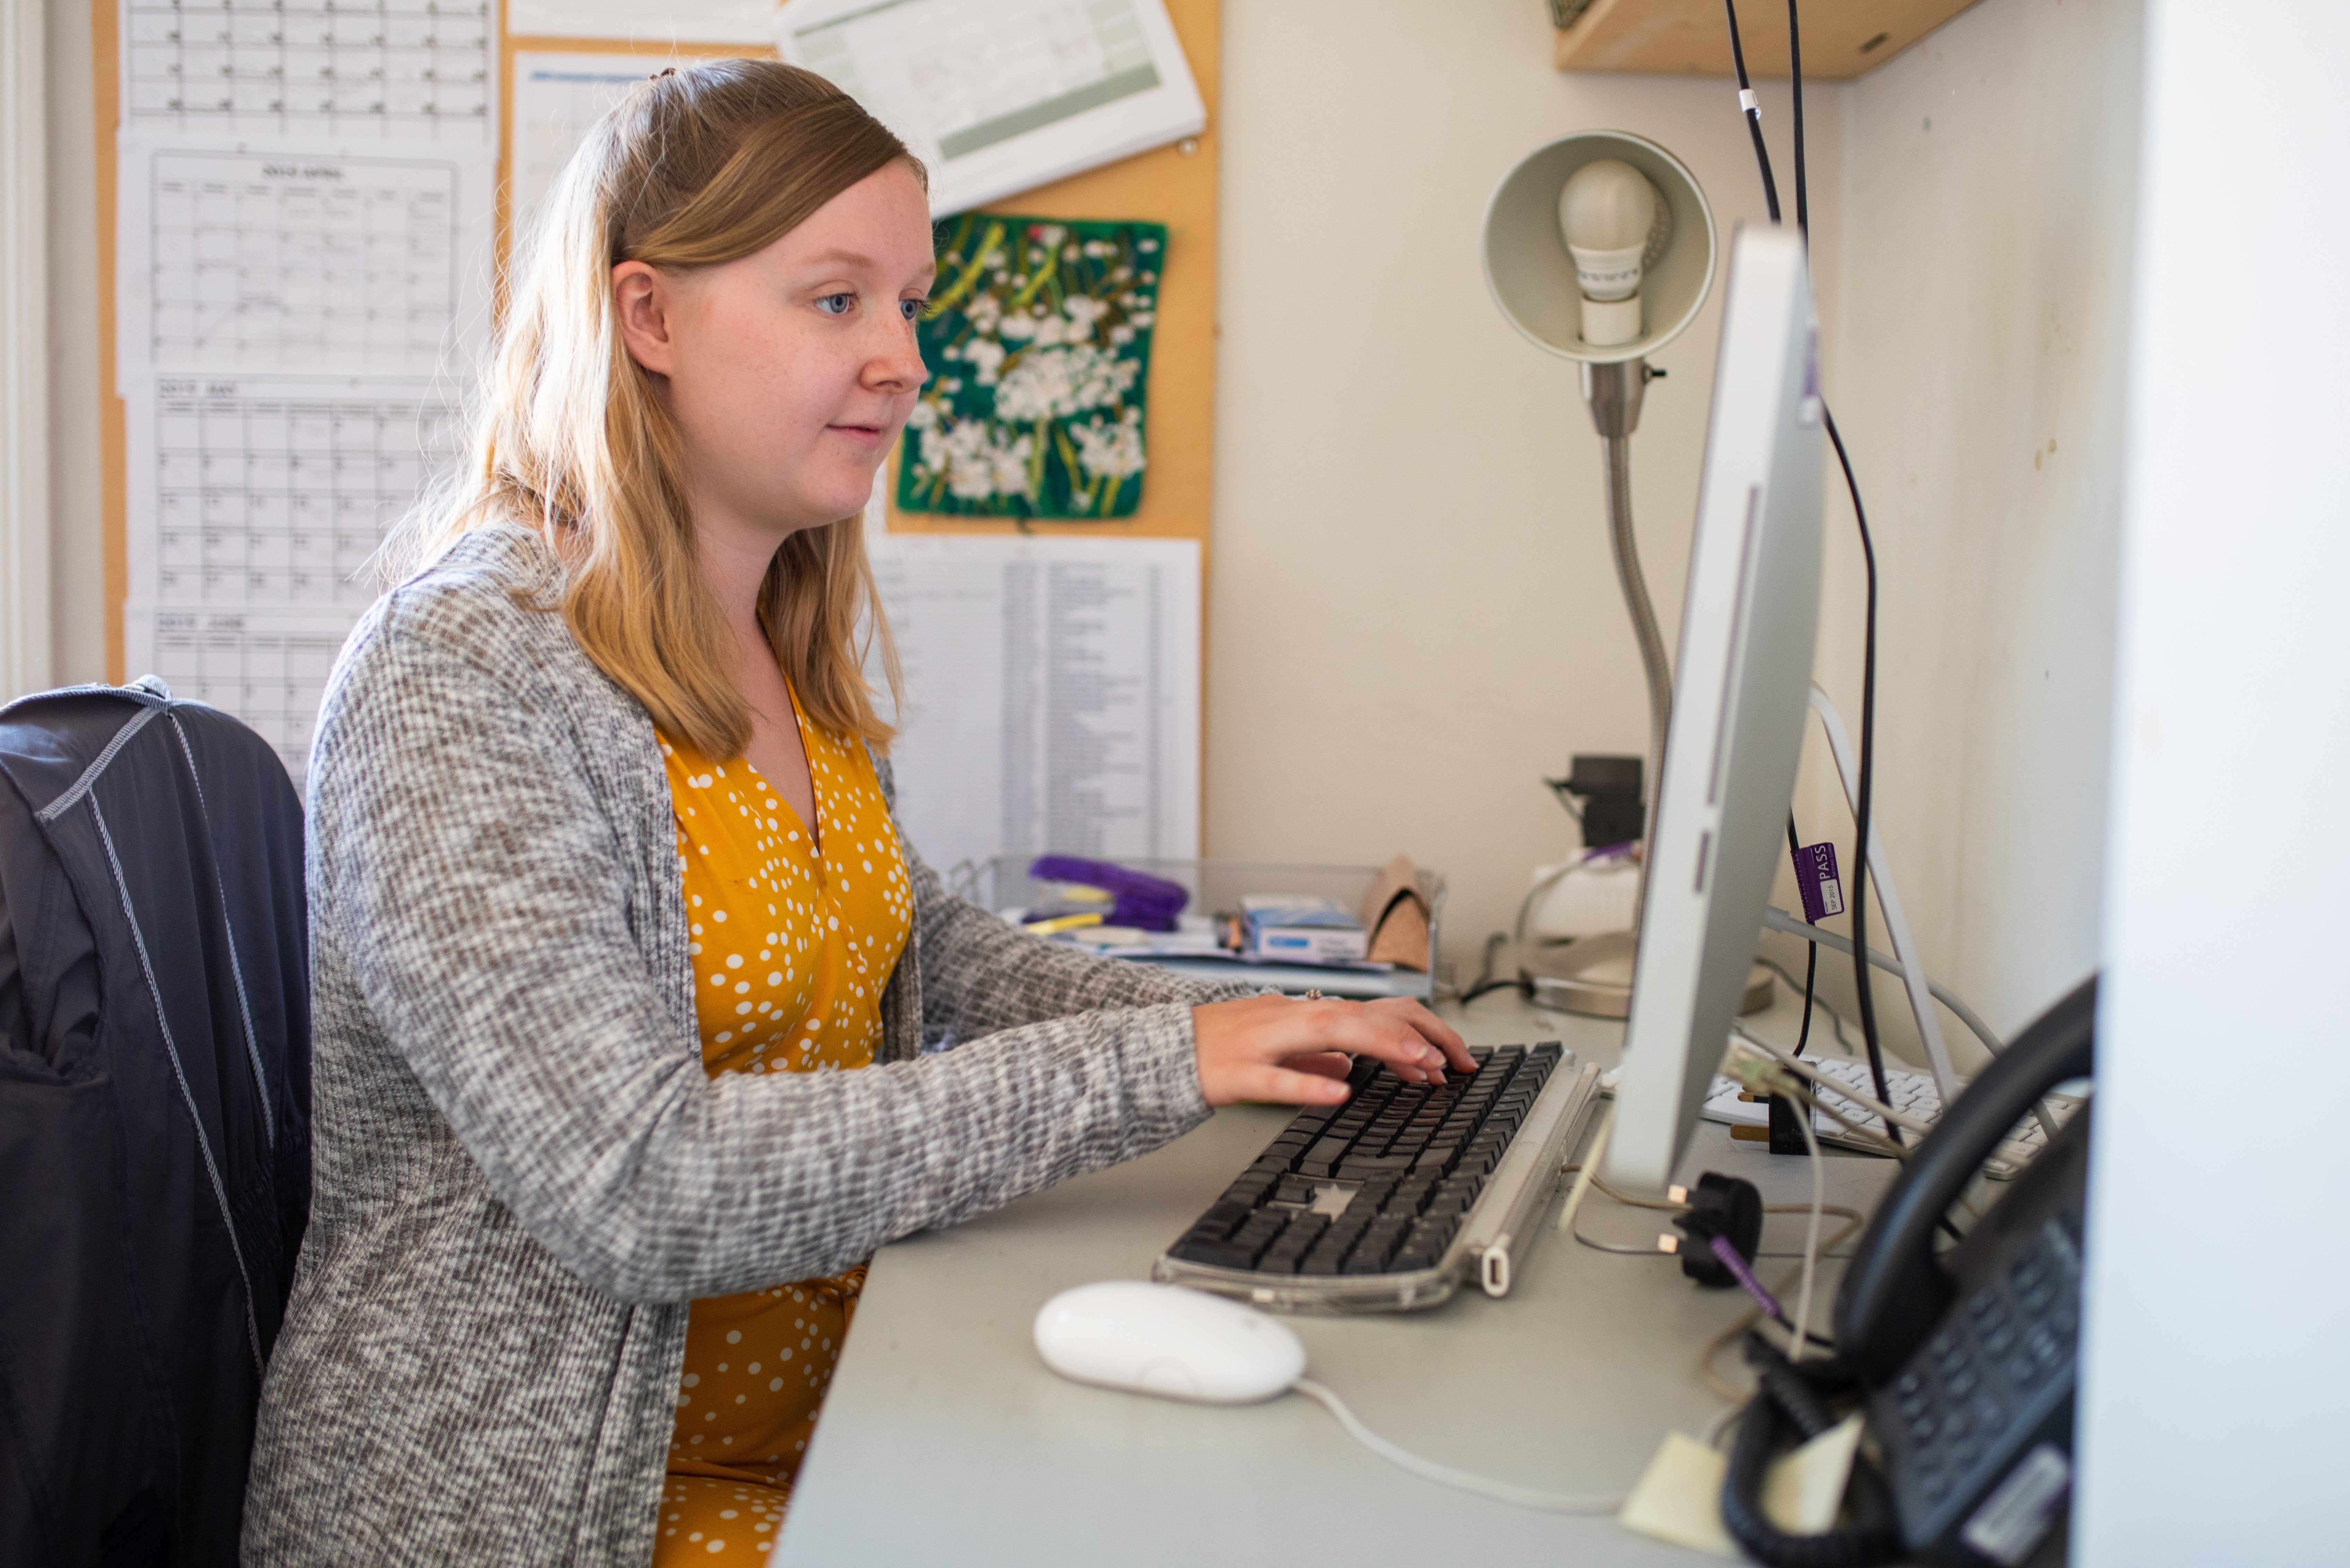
1614,392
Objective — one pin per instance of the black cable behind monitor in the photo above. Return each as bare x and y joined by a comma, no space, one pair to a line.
1811,949
1795,71
1863,792
1754,112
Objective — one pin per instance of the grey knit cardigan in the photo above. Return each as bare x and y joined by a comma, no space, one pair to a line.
523,1173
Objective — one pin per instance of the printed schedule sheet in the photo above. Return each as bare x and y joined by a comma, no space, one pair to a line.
305,201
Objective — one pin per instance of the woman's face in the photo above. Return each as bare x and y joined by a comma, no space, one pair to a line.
790,371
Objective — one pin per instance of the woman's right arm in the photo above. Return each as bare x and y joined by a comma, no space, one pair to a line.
487,901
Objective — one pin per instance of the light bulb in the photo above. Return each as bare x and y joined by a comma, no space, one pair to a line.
1613,221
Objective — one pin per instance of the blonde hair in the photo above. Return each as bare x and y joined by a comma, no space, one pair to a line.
694,168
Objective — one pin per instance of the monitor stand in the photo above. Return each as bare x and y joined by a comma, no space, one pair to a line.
1593,976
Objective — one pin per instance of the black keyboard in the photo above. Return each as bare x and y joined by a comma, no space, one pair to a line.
1378,1184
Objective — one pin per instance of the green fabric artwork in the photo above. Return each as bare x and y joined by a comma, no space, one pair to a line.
1038,343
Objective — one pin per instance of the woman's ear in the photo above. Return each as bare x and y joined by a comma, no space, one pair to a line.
642,301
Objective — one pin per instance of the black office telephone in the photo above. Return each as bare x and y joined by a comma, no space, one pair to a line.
1964,1360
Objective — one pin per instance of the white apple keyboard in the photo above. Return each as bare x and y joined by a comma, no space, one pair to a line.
1914,1095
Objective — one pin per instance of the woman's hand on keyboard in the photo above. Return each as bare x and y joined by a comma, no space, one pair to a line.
1278,1047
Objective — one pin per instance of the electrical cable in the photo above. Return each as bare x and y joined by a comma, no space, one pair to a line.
1551,878
1786,1401
1486,983
1803,1324
1494,942
1868,1139
1590,1169
1777,920
1879,1107
1445,1475
1542,884
1795,69
1799,1090
1617,1195
1633,1200
1812,961
1864,796
1835,1018
1714,1429
1753,1315
1753,110
1863,793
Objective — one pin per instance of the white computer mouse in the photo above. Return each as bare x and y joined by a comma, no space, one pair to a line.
1168,1340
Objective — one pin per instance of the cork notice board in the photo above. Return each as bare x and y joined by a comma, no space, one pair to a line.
1172,185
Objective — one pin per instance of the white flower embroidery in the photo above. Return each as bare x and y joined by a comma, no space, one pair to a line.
1054,383
1111,451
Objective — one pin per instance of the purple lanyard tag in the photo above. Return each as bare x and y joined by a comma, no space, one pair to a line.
1815,878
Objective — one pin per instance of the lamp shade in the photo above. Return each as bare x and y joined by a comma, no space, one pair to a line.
1534,277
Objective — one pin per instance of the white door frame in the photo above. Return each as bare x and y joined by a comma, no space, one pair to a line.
24,350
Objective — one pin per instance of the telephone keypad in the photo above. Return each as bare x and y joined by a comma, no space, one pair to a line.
1975,1387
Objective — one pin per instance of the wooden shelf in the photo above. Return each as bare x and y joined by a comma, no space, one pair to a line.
1842,38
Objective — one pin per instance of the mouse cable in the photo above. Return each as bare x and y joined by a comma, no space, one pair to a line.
1445,1475
1864,790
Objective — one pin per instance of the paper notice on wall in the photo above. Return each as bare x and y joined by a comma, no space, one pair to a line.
256,507
301,262
999,96
1052,695
325,75
274,493
640,22
557,97
268,668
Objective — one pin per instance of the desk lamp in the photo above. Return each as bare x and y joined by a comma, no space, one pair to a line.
1599,247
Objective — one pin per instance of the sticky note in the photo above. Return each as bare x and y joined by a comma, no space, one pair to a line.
1679,1496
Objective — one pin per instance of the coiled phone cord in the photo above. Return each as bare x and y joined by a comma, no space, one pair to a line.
1784,1399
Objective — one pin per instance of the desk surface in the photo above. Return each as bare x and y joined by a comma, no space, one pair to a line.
945,1440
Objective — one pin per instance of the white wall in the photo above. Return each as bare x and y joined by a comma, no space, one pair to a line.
77,538
1409,522
76,497
23,352
1975,331
1413,617
2216,1367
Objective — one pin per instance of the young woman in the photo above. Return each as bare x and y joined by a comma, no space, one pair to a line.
621,968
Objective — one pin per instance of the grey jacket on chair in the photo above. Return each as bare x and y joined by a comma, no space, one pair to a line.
523,1174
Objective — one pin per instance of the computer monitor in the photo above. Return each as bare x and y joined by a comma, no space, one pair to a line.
1739,687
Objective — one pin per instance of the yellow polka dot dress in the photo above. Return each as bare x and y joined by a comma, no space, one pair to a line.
794,937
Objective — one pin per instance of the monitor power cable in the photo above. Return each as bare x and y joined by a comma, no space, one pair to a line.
1835,1018
1750,109
1587,1176
1811,949
1778,919
1867,1102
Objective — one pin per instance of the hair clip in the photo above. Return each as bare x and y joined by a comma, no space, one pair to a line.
671,72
